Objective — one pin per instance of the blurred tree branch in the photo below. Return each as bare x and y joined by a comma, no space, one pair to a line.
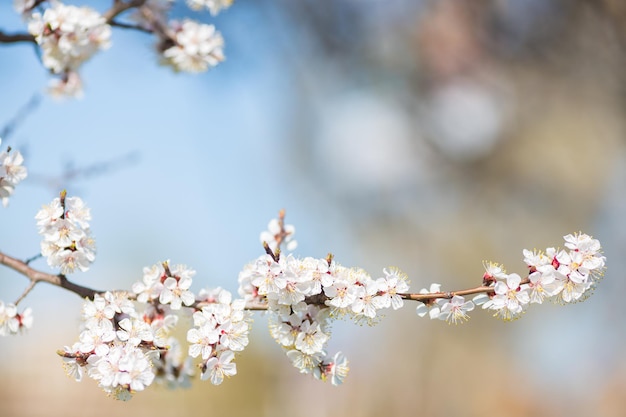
36,276
16,37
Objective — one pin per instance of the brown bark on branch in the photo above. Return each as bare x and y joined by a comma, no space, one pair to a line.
16,37
36,276
425,298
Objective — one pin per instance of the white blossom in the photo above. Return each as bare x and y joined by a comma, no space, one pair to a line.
176,292
310,338
97,339
306,363
455,310
11,173
391,285
9,320
67,240
336,369
69,35
202,341
197,47
150,287
218,367
97,312
432,307
510,298
134,331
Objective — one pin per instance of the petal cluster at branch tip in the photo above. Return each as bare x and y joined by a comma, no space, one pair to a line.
67,241
561,275
11,173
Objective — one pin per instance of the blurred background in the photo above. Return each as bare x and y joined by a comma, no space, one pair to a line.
428,135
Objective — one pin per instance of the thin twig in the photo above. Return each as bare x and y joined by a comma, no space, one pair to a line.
26,291
36,277
16,37
425,298
33,258
72,173
61,281
26,110
281,224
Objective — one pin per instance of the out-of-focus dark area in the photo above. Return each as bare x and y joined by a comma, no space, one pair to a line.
428,135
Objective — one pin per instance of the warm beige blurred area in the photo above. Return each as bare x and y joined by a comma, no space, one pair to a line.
428,135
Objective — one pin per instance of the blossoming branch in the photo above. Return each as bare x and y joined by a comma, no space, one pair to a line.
127,343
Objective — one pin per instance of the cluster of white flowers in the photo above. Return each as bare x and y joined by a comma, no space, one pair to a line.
221,325
197,46
214,6
126,350
11,173
123,348
220,329
304,295
67,241
11,322
166,284
569,274
563,275
68,36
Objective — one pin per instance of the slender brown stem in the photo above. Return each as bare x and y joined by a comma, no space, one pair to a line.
268,250
60,280
18,119
33,258
424,298
281,223
16,37
36,277
26,291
